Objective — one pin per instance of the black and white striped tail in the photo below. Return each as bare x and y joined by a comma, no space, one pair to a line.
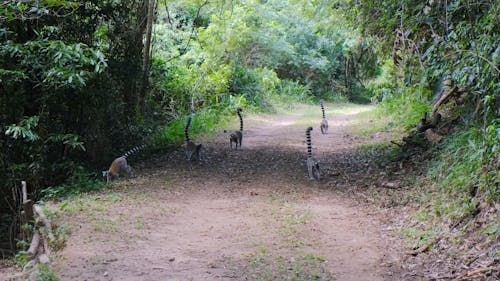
322,108
308,141
186,133
134,150
238,110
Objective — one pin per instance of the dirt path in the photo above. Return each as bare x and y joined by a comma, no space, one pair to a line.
250,214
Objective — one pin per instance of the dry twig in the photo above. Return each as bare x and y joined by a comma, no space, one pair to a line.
482,270
425,247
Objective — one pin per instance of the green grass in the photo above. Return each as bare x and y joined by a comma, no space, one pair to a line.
419,237
105,225
461,177
311,114
267,266
45,274
492,230
139,225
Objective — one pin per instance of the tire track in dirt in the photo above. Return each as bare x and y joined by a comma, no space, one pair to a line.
250,214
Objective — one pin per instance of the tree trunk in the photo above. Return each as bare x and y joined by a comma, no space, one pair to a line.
146,55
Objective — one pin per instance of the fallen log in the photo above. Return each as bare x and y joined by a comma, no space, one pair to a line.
473,273
27,203
42,218
445,96
39,250
34,245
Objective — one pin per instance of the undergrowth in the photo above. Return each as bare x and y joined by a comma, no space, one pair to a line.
81,181
458,194
45,274
205,122
462,180
406,107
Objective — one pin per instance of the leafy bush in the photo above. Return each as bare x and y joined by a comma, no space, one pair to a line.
206,121
69,92
288,93
80,181
405,106
256,85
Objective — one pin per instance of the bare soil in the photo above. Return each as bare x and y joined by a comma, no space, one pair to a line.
246,214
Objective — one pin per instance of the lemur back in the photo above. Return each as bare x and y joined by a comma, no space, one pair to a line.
192,149
120,165
237,136
324,122
312,166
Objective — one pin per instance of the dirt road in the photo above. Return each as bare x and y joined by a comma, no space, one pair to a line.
249,214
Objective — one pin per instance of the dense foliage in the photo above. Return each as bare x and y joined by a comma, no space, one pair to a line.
433,48
255,50
68,73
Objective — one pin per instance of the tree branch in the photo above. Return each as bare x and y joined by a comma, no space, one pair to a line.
191,34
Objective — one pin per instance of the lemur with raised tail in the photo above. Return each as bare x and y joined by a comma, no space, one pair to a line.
324,122
312,166
193,151
237,136
120,165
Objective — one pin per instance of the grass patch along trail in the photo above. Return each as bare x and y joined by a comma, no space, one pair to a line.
249,214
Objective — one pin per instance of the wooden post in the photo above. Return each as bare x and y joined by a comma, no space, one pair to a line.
27,204
24,190
27,215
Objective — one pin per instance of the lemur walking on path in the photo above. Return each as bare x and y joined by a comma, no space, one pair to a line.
312,166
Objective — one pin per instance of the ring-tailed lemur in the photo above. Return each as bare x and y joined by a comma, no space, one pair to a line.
312,166
192,149
119,165
237,136
324,122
